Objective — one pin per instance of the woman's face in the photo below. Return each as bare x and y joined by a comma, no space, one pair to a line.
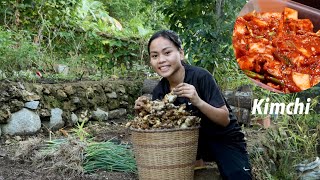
165,57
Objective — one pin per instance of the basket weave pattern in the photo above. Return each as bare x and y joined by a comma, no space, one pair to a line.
165,154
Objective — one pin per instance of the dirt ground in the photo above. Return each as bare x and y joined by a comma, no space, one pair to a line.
16,164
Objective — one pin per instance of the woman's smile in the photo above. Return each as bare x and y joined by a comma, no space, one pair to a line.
164,68
165,57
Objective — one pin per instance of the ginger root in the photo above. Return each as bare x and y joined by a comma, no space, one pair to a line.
163,115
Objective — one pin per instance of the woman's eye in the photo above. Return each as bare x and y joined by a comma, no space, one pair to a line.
168,52
153,56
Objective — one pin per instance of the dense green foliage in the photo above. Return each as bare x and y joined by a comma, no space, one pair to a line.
206,28
16,52
93,37
100,38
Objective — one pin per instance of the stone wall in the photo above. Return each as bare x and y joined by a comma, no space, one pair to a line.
25,107
240,102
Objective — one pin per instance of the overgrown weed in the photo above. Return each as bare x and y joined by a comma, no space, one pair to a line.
291,140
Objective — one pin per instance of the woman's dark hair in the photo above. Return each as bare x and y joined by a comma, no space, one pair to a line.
168,34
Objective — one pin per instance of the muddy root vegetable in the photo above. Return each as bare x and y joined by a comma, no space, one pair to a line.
163,115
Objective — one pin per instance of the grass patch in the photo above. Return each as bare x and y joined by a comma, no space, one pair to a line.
109,156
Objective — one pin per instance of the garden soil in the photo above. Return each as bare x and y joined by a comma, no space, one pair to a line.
19,161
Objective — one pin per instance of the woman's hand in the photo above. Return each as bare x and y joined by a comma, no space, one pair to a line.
219,115
140,102
188,91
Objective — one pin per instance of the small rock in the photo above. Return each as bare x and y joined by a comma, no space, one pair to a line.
242,114
32,105
61,69
76,100
38,88
16,105
122,89
234,98
2,153
17,138
44,113
61,94
69,106
69,90
5,114
113,104
108,88
21,85
112,95
125,97
56,121
46,91
124,103
117,113
28,96
90,92
227,93
5,96
100,115
74,118
7,142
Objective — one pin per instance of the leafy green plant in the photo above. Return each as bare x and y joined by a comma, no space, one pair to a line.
80,132
16,53
91,15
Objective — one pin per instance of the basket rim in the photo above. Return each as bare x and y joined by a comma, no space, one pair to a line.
164,130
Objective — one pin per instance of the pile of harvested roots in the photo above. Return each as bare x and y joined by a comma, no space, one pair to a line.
163,115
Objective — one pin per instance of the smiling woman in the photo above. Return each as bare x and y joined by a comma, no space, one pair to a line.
220,136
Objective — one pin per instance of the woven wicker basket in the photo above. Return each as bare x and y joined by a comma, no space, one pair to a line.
165,154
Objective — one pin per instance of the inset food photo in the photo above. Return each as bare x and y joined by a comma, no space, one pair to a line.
277,44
